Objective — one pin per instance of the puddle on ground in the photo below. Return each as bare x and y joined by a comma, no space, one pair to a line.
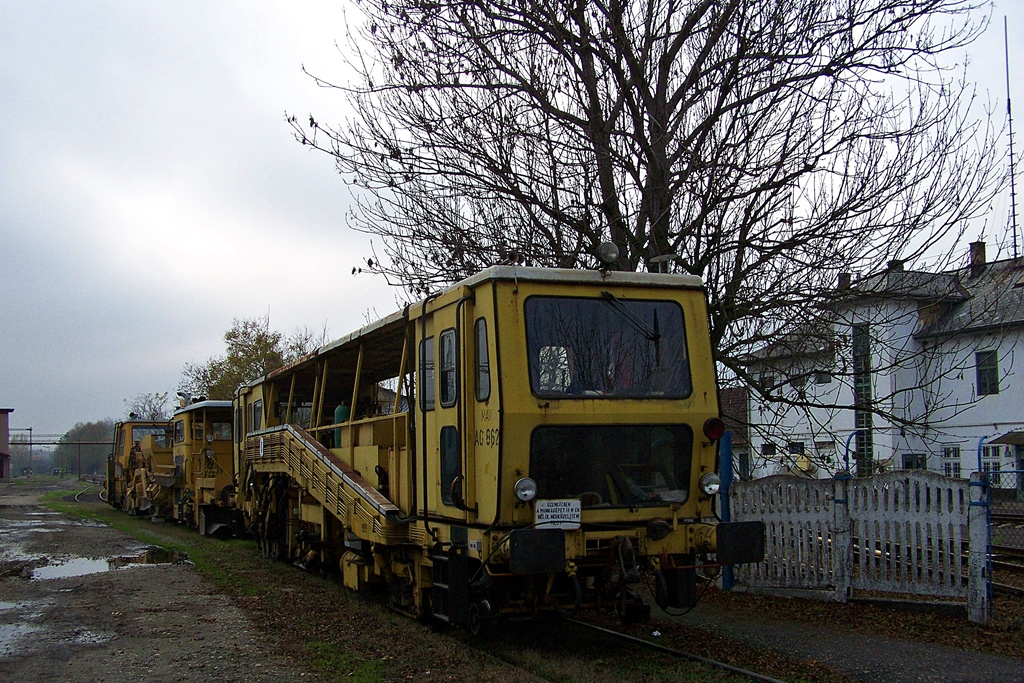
82,566
11,634
46,524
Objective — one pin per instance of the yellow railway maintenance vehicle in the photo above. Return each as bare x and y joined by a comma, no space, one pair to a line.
141,459
527,439
203,493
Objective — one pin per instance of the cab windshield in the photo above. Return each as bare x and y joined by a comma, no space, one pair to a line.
159,432
613,465
606,347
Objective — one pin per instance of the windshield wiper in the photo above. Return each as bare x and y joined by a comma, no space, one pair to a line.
650,333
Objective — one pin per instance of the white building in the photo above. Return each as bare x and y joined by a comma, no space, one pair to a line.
908,369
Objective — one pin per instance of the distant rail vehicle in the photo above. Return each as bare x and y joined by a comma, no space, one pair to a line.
182,469
528,439
204,494
141,456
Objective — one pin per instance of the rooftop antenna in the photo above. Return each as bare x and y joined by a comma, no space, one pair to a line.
1009,114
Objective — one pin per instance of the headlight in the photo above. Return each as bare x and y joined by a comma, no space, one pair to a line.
526,489
608,253
658,529
710,483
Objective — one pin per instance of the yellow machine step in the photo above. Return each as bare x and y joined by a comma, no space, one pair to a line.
334,484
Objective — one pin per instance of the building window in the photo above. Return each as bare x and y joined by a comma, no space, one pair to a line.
951,461
988,372
826,451
862,399
990,464
768,383
745,471
795,447
768,450
823,378
991,468
914,461
449,385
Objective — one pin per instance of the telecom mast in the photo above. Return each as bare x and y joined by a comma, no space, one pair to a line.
1009,114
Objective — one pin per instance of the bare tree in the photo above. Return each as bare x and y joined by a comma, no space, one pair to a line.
765,145
154,406
304,340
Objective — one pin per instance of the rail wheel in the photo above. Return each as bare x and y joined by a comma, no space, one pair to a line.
479,613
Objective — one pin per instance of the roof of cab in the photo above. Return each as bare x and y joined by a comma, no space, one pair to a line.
501,273
199,405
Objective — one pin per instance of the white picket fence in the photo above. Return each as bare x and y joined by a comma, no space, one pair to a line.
900,532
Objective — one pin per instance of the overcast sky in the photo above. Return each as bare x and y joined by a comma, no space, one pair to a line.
150,191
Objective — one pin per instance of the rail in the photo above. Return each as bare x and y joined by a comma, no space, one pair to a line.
752,675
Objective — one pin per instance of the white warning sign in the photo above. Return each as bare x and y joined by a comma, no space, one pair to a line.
561,513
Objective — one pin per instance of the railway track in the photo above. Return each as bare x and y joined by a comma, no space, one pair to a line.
78,496
1007,517
752,675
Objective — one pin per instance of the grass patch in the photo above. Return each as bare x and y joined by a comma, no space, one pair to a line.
35,480
335,664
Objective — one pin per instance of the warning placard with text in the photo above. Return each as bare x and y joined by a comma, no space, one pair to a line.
557,514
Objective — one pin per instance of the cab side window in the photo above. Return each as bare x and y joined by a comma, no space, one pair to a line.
449,371
483,364
256,415
427,374
451,462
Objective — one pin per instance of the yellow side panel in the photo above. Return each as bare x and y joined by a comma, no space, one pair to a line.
312,513
366,460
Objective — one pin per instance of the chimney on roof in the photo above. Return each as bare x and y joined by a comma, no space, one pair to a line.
977,258
896,264
845,280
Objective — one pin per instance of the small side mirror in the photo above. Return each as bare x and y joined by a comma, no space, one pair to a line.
455,490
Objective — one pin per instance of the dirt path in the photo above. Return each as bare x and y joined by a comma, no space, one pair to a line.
874,658
160,622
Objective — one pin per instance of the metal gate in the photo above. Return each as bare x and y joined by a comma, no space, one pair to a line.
1006,490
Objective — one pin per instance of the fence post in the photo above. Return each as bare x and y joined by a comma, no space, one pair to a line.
725,475
842,541
979,608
